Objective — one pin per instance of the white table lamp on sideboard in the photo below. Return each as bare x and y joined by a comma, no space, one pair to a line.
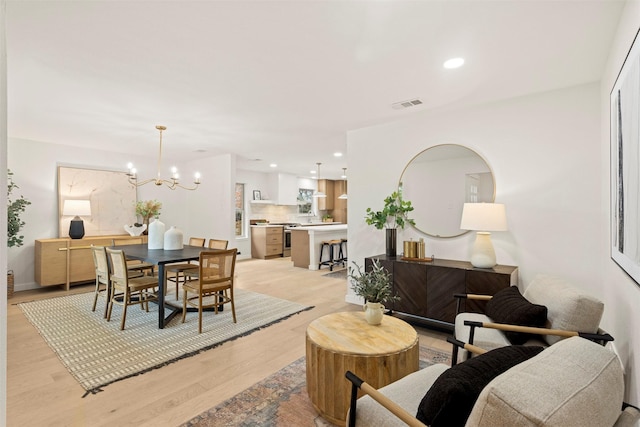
483,218
76,208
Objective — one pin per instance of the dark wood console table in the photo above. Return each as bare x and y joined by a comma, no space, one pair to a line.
426,288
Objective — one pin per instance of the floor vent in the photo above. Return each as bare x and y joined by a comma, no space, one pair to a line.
406,104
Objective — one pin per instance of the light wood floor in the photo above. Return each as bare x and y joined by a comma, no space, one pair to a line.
40,391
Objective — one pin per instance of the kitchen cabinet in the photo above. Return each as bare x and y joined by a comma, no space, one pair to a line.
267,241
66,261
426,288
326,186
339,211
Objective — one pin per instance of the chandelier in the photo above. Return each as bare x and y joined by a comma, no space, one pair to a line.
172,183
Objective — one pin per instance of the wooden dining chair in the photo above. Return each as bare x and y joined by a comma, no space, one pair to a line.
214,287
179,269
103,279
135,266
126,291
218,244
193,273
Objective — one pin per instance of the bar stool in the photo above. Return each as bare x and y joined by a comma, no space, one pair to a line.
330,244
343,252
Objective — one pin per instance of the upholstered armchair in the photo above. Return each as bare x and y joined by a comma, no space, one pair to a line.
550,310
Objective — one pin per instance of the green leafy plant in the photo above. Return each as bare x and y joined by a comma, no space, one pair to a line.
14,209
373,285
147,209
393,214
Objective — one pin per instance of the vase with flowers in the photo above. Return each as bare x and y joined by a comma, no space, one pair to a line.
374,286
147,209
392,216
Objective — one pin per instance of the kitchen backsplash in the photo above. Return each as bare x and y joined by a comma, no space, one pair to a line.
278,213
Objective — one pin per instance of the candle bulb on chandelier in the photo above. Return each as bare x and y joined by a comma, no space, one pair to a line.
197,176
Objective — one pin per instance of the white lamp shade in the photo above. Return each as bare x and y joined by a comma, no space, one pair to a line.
484,217
76,208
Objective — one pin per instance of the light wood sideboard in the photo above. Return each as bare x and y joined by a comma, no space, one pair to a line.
66,261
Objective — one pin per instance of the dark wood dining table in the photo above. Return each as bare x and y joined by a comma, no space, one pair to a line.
162,257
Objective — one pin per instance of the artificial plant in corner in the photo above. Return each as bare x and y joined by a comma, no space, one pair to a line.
15,208
392,216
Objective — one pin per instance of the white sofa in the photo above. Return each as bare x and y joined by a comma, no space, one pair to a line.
573,383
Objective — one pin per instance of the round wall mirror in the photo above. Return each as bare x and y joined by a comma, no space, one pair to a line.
438,181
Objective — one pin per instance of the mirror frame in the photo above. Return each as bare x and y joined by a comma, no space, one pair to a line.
417,227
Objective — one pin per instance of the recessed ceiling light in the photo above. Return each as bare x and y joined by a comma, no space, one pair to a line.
453,63
312,172
337,154
273,165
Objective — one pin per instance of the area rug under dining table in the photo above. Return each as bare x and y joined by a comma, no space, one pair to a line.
97,352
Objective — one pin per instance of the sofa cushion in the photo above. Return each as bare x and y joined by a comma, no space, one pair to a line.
509,306
450,400
572,383
568,307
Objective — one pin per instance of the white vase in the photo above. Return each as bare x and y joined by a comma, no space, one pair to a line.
135,230
373,312
173,239
156,235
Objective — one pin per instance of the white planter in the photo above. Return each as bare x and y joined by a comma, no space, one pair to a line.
156,235
173,239
373,312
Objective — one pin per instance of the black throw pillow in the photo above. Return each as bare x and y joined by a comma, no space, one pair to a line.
509,306
450,399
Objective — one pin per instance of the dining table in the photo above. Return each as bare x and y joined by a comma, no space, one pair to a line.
162,257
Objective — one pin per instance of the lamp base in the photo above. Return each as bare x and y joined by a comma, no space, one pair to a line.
482,253
76,228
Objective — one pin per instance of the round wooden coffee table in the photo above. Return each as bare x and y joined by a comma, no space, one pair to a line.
341,342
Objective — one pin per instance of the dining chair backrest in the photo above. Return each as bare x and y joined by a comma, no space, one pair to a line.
218,244
118,265
217,266
128,241
197,241
101,263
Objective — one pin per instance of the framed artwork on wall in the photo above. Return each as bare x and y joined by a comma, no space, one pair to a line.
256,195
111,199
625,165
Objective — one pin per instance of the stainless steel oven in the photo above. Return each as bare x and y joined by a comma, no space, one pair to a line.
286,242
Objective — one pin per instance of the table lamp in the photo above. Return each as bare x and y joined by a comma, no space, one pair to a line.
77,208
483,218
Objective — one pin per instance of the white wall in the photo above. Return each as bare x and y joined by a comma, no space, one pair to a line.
539,148
620,292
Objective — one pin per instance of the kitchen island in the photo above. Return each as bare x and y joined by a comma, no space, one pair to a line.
306,242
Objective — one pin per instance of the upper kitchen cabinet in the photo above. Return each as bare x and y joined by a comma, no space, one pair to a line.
283,188
326,186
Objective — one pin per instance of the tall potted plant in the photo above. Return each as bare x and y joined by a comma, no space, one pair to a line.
392,216
15,207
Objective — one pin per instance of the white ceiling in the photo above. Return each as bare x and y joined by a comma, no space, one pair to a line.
279,81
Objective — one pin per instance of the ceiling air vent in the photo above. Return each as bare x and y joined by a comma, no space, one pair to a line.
406,104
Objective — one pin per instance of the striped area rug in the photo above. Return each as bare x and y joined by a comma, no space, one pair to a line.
97,352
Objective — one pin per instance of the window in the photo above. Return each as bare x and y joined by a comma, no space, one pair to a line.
240,228
305,200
